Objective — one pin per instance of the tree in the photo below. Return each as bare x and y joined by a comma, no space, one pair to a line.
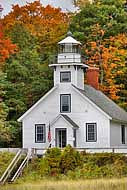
101,27
81,3
5,133
48,24
110,15
110,55
6,49
28,77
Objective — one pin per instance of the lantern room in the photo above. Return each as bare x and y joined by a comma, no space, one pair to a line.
69,45
69,50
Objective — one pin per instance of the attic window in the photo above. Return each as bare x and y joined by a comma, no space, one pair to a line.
91,132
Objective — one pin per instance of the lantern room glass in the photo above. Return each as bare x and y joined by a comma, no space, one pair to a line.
69,48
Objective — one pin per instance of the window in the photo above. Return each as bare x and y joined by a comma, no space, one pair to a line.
40,133
76,49
69,48
91,132
123,134
65,76
65,103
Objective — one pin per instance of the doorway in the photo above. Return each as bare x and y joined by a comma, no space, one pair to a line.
61,137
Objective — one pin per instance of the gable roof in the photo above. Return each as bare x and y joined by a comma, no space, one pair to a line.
105,103
36,104
67,118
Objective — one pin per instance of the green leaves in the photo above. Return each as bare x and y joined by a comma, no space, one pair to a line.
110,15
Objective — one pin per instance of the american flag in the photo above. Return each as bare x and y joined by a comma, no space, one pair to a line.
49,134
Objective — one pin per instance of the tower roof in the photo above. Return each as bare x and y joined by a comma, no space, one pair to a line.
69,40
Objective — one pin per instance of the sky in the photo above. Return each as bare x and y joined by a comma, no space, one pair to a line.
64,4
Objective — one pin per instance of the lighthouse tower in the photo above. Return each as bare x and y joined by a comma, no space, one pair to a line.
68,68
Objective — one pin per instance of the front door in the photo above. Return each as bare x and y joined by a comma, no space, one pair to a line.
61,137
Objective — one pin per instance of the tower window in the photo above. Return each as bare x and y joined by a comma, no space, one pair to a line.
91,132
65,76
65,103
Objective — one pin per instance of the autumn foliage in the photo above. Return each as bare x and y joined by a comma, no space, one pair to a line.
48,24
29,40
6,48
110,56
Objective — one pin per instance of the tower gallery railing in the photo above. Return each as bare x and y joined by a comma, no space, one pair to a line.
74,59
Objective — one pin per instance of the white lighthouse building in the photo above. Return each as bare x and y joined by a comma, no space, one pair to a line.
78,114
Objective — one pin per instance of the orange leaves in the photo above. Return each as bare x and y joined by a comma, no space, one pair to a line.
6,48
38,20
110,55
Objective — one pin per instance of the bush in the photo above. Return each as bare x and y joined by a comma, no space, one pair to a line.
43,167
52,159
70,159
101,159
120,168
70,164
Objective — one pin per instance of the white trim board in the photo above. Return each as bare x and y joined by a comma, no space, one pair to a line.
56,119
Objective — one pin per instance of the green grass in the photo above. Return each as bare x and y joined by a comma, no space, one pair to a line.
99,184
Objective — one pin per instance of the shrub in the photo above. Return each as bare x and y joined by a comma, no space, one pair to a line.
70,159
43,167
102,159
52,158
120,168
70,164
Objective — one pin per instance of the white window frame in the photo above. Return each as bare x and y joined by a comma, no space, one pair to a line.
61,79
87,132
61,110
43,133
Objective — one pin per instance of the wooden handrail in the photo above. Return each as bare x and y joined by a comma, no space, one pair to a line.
10,167
18,172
